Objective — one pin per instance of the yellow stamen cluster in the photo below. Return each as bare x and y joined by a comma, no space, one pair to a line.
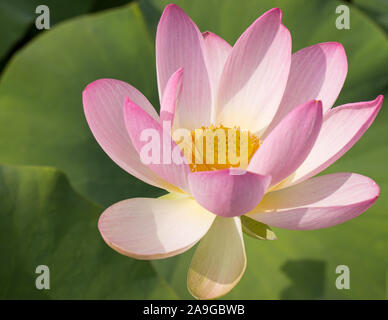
219,147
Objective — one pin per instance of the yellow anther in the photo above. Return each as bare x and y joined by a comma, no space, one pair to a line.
219,147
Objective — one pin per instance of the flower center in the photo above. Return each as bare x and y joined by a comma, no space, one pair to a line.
219,147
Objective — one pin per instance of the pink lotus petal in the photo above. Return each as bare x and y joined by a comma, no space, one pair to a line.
317,72
140,123
229,192
341,129
217,51
219,261
145,228
179,44
171,97
319,202
288,145
255,74
103,106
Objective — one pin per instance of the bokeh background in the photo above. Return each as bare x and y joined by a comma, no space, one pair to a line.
55,180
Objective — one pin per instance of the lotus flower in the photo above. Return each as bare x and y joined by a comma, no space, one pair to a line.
284,101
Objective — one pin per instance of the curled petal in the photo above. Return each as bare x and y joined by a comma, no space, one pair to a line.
171,98
217,51
288,145
103,106
319,202
145,228
219,261
229,192
142,128
317,72
255,74
342,127
179,44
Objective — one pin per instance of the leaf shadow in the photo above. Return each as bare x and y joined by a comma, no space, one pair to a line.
308,278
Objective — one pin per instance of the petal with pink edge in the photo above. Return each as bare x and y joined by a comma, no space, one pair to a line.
342,127
319,202
317,72
103,106
171,98
154,145
217,51
145,228
255,74
179,44
219,261
229,192
288,145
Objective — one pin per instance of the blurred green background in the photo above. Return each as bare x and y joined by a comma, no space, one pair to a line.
55,180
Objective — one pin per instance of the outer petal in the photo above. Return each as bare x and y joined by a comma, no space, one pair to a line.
179,44
219,261
229,192
317,72
320,202
103,106
289,143
217,51
255,74
145,228
141,126
341,129
171,97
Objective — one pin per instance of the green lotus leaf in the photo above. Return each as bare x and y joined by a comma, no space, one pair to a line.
45,222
